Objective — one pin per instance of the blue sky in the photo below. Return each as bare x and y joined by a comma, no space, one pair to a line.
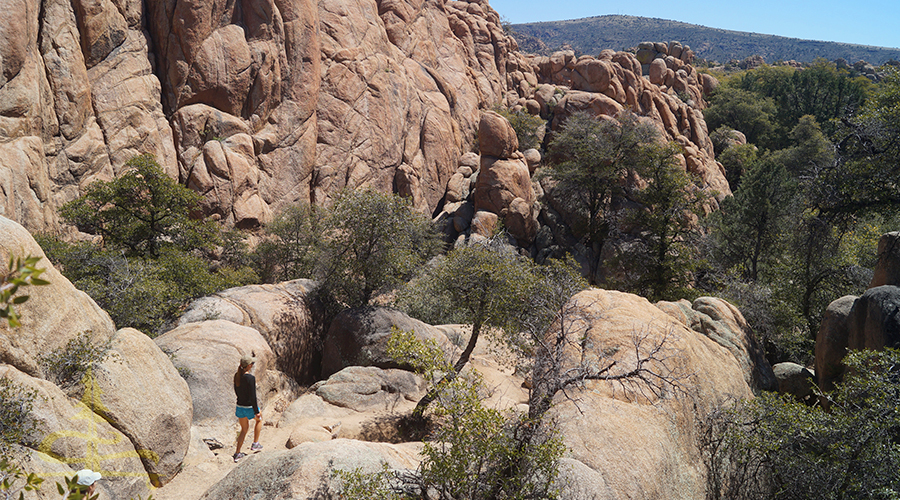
865,22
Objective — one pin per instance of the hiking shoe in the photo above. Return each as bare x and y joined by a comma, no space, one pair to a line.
255,447
238,456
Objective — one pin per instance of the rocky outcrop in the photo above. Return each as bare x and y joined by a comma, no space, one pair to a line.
358,337
671,95
54,314
285,314
871,321
307,471
155,423
208,354
73,433
723,322
503,186
157,420
260,105
254,105
647,437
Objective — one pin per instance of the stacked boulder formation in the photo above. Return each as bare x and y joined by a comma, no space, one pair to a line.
871,321
261,107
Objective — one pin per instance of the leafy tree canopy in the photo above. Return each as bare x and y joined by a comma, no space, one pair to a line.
142,211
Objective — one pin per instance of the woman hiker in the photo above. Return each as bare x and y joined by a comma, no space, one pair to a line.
247,407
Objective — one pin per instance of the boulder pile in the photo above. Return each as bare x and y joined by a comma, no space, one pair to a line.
160,412
871,321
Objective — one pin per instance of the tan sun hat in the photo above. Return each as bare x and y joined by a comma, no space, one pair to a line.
247,360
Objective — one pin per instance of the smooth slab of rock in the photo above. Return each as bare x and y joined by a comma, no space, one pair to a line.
209,353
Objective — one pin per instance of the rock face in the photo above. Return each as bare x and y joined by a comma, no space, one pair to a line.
832,340
887,268
254,105
259,105
209,353
871,321
307,470
283,313
647,441
53,315
612,82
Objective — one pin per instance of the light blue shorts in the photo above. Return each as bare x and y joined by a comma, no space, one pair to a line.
244,412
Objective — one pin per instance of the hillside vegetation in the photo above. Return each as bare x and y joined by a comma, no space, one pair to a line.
590,35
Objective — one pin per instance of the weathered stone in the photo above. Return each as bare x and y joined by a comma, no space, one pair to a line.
832,340
658,72
76,433
532,159
887,268
795,380
484,223
496,137
284,314
308,469
366,388
208,353
53,315
663,429
504,188
723,322
158,421
358,337
874,321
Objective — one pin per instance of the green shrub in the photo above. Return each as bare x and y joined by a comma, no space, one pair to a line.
66,366
17,420
527,127
774,447
142,293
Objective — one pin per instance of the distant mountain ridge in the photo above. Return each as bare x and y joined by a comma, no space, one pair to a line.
590,35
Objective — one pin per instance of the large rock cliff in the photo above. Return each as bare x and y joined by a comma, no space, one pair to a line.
253,104
260,104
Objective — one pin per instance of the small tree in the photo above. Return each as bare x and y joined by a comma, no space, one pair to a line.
294,245
470,453
661,264
749,226
480,284
142,211
370,243
590,160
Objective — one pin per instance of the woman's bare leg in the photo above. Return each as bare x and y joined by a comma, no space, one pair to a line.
257,428
245,426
